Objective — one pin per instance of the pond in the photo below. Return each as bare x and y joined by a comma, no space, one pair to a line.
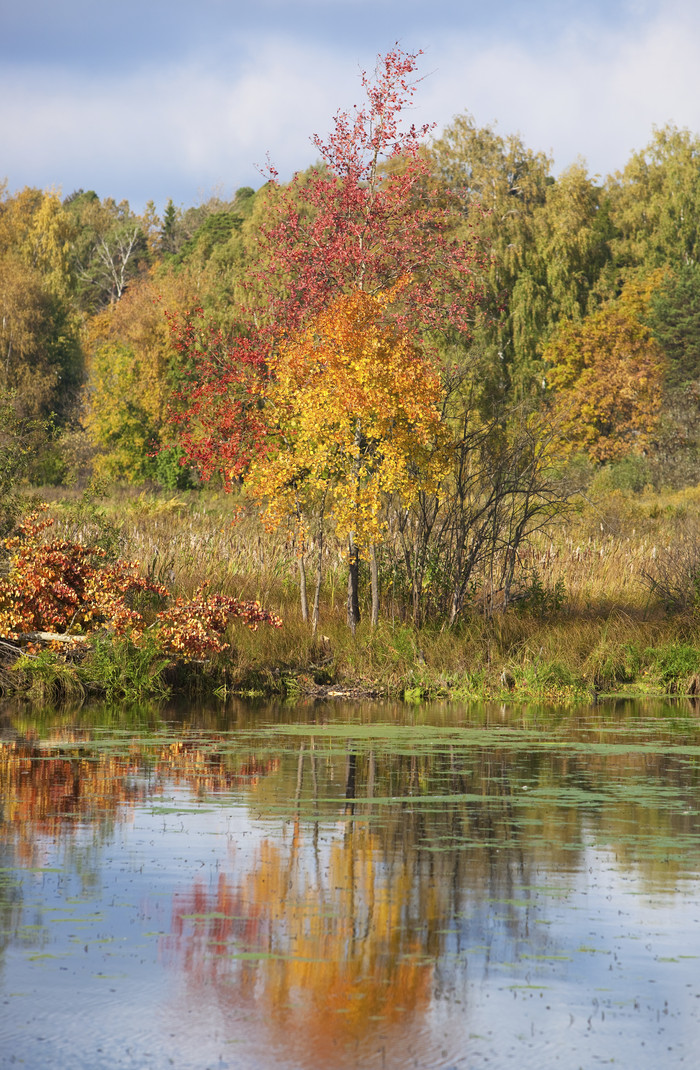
338,886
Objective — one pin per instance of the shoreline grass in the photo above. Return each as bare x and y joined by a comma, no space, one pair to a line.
607,631
514,658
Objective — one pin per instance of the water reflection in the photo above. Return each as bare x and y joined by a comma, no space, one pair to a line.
326,947
354,886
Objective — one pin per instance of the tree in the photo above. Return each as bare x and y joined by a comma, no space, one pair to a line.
35,227
168,231
461,539
353,413
561,269
218,417
179,234
25,333
363,220
606,377
40,358
20,440
503,184
548,239
132,375
674,317
110,249
655,203
370,216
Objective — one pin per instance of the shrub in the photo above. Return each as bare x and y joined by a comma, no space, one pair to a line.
72,589
674,665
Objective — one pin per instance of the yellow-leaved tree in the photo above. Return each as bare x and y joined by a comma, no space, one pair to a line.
40,357
353,408
132,375
606,376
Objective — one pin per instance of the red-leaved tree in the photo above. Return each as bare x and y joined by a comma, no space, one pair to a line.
221,426
366,218
370,217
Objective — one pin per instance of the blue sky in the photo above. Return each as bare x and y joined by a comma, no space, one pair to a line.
172,98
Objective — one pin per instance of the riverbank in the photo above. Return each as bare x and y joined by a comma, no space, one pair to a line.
513,657
607,603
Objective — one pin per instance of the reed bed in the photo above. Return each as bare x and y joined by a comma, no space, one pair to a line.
610,629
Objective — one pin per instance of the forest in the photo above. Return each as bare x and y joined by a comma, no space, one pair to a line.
422,372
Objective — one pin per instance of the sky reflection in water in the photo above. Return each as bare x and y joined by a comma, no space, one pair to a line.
434,888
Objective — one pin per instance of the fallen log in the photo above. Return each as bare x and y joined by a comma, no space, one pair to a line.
51,637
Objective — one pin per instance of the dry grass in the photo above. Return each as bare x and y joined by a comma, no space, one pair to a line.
601,638
605,552
600,553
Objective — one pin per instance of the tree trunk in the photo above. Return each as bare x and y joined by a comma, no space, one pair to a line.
319,578
455,606
374,573
353,585
417,583
302,585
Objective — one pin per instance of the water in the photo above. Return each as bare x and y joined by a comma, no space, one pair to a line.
350,886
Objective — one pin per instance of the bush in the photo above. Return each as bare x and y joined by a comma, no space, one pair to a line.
168,472
630,475
674,665
68,588
124,669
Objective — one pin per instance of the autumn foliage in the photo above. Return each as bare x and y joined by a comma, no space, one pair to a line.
365,221
394,356
70,589
194,627
132,371
65,587
219,424
353,408
369,216
606,375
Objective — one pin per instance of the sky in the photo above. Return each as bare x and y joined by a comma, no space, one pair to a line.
158,99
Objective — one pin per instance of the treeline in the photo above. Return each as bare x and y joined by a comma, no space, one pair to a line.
591,305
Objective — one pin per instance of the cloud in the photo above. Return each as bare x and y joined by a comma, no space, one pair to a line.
594,92
182,126
203,119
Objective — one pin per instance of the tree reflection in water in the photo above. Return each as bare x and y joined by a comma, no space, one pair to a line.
388,866
338,936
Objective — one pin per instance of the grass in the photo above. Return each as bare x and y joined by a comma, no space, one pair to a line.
593,623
